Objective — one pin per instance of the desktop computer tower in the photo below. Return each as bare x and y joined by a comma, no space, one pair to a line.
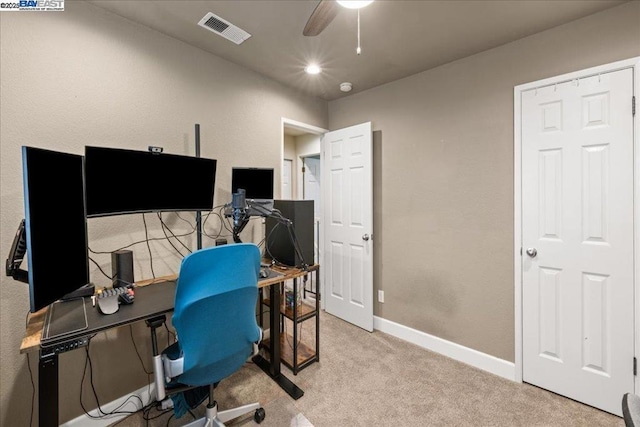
122,268
279,245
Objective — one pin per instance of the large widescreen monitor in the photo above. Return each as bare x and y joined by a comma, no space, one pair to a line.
121,181
55,224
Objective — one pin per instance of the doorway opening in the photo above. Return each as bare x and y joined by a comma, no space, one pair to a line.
301,178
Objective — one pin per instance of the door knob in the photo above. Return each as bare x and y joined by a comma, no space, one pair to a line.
365,237
532,252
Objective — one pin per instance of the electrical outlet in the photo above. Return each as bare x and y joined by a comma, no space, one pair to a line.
380,296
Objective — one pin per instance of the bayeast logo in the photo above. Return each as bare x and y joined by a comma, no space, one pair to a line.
41,4
33,5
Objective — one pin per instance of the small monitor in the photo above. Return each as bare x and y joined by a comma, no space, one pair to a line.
55,224
257,183
121,181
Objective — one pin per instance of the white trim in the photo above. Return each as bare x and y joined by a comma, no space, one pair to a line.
84,420
588,72
636,208
475,358
302,126
517,145
517,232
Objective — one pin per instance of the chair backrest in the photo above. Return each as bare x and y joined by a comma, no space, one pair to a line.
215,311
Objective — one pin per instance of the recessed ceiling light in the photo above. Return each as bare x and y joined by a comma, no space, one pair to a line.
354,4
313,69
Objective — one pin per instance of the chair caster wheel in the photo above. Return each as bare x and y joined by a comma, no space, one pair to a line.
259,416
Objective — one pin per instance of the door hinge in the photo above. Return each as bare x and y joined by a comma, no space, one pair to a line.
635,366
633,105
303,169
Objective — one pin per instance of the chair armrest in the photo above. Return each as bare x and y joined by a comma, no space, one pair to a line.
172,361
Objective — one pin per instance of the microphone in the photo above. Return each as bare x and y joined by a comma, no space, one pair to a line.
238,205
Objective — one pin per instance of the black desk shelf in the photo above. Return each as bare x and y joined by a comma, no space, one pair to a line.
297,355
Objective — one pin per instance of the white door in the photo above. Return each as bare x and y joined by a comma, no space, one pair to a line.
287,169
347,198
577,214
311,191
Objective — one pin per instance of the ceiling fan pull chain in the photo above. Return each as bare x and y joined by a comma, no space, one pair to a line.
358,50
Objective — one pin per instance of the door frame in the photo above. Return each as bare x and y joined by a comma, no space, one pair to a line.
633,63
316,131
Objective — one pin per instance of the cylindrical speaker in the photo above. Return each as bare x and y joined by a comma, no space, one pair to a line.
122,268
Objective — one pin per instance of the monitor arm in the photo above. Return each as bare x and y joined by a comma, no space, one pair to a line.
16,255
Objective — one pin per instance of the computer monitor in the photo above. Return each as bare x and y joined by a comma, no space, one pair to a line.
121,181
55,224
257,183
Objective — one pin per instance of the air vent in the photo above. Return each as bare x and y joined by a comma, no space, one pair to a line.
223,28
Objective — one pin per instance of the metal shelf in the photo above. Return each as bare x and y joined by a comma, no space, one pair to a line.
294,354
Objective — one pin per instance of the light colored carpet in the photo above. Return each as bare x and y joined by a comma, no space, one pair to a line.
367,379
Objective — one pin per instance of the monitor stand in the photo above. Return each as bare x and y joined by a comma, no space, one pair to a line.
64,317
84,291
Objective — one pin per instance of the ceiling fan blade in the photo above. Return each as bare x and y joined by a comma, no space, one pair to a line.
322,16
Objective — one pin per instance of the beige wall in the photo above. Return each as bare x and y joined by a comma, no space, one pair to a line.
87,77
443,207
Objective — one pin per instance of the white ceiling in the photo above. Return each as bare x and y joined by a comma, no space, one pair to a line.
398,38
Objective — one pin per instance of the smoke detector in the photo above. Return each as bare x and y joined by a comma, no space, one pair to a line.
223,28
345,87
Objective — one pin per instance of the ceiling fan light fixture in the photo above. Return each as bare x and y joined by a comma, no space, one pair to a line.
313,69
354,4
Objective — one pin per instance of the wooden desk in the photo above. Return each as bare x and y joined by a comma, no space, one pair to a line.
129,314
151,301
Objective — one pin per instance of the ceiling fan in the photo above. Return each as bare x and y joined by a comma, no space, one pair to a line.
321,17
324,13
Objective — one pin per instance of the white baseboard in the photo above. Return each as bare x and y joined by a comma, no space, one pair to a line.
133,404
477,359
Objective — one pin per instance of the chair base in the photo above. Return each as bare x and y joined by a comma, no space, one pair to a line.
213,418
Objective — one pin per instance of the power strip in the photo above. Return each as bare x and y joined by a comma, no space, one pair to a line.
64,346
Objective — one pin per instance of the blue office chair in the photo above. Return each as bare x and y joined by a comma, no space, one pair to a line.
215,322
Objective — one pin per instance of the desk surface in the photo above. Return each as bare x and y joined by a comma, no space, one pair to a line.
158,300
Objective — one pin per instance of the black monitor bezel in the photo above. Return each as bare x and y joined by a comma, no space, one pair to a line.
66,276
234,186
91,192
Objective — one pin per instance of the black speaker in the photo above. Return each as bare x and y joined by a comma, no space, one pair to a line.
278,241
122,268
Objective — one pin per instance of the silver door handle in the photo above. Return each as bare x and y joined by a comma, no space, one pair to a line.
532,252
365,237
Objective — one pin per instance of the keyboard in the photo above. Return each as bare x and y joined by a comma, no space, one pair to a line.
109,299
